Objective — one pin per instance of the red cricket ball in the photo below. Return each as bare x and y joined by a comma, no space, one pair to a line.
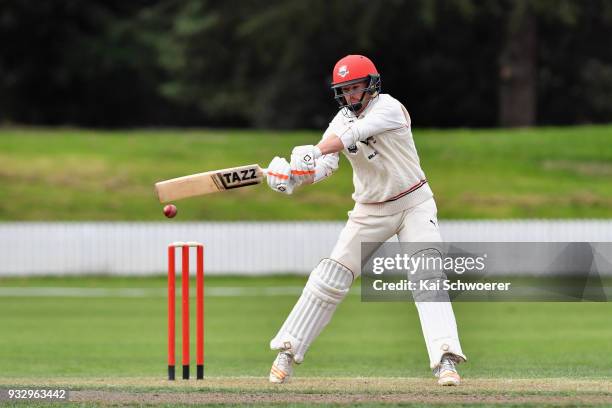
170,210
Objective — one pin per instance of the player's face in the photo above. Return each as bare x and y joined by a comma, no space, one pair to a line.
353,93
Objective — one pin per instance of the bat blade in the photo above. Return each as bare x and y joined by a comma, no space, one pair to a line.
208,182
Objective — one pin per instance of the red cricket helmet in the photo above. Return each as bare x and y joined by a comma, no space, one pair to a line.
350,70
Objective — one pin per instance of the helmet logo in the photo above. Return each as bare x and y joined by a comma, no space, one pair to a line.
343,71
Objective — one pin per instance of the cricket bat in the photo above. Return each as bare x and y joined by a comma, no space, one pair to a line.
209,182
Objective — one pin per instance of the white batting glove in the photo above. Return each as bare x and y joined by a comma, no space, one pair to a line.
303,160
279,176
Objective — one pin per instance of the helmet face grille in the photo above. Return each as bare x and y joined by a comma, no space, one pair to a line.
373,88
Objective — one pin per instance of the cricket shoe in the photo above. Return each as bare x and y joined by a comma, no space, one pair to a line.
447,372
282,368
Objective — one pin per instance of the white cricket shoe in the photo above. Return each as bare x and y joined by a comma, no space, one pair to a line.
447,372
282,368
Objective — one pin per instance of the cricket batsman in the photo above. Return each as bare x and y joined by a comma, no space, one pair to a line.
392,197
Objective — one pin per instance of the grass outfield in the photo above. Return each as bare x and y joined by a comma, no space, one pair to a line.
106,339
66,174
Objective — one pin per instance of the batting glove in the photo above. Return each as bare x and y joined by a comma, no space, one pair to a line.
279,176
303,160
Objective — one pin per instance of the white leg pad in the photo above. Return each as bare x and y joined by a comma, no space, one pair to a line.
328,284
440,331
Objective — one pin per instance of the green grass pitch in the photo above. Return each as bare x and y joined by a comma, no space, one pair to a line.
106,338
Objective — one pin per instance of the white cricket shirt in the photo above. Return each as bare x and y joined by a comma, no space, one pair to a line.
387,174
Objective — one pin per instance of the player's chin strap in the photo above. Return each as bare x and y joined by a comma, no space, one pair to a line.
328,284
356,107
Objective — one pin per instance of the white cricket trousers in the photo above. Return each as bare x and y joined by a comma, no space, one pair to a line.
417,224
331,279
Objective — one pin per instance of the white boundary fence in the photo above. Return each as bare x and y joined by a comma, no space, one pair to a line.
252,248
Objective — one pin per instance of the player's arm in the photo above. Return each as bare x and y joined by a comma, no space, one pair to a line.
331,144
325,166
310,165
387,116
284,178
281,178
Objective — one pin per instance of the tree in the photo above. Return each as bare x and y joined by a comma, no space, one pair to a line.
518,67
